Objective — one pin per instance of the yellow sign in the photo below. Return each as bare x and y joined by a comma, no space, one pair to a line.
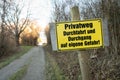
79,34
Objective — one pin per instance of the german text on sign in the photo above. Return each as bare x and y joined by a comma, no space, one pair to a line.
79,34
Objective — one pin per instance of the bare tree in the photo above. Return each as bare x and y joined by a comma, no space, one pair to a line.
14,23
3,10
110,10
30,34
59,11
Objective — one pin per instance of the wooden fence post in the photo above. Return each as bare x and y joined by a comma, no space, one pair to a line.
82,55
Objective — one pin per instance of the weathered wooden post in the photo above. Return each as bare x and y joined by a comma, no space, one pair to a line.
78,35
82,55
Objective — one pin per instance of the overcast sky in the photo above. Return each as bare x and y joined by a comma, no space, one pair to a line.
40,10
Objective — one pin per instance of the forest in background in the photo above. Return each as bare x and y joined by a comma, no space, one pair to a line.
15,30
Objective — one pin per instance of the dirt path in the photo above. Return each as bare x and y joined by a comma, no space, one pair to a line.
35,58
37,66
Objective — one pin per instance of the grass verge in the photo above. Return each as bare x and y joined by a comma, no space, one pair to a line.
19,74
67,64
11,58
53,71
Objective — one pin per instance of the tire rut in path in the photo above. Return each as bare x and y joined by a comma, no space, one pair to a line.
36,69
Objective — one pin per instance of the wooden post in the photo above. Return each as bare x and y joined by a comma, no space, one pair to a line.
82,55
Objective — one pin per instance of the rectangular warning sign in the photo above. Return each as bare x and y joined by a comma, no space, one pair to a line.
79,34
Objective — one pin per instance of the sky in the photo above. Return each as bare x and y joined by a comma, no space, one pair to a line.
40,10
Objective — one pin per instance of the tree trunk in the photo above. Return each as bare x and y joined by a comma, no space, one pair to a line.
17,40
2,35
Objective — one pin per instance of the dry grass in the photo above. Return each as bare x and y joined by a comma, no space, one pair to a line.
67,62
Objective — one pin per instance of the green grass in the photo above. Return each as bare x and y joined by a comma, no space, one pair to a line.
11,58
19,74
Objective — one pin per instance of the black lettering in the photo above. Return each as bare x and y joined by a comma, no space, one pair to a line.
79,25
77,32
91,25
87,43
87,25
66,25
75,44
64,33
78,38
91,31
74,26
83,25
63,45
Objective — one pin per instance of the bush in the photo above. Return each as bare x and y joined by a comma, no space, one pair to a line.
7,46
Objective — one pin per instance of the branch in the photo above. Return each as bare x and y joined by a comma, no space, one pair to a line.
24,25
